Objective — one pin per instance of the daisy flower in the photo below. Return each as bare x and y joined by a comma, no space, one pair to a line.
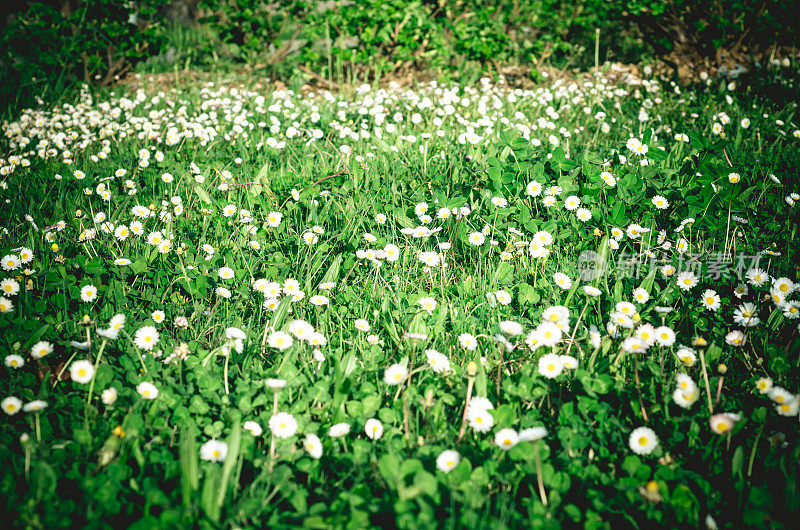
37,405
214,451
687,356
511,328
395,374
583,214
319,300
339,430
572,203
447,460
468,341
9,287
686,280
313,445
549,333
685,398
756,277
722,423
109,396
642,441
711,300
280,340
633,345
505,439
437,361
6,305
283,425
534,188
569,362
665,336
735,338
88,293
502,297
10,262
11,405
764,385
641,295
147,390
81,371
592,291
476,238
14,361
373,428
427,303
660,202
480,420
783,285
745,315
146,338
790,408
562,280
41,349
550,365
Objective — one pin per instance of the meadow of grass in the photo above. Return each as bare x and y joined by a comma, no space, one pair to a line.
427,306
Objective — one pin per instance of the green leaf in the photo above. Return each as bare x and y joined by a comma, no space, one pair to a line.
262,178
234,443
203,194
737,462
188,456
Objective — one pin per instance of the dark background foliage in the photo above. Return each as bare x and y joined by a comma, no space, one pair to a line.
48,45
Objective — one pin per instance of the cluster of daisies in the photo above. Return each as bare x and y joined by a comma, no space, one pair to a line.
120,223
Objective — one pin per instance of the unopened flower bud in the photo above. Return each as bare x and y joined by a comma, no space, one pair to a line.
472,369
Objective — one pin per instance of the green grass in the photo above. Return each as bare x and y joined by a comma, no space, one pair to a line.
89,460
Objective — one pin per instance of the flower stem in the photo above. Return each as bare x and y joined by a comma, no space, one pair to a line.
94,375
753,451
719,390
405,420
225,369
470,383
64,368
539,481
272,441
638,384
574,331
705,379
